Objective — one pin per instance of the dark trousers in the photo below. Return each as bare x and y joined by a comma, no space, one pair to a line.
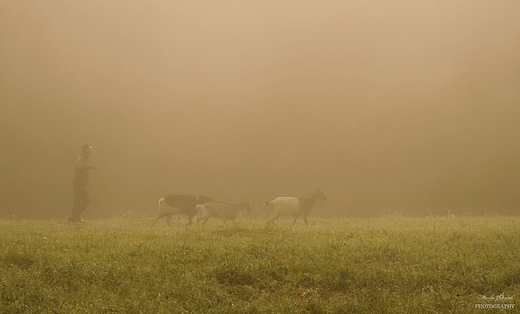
81,201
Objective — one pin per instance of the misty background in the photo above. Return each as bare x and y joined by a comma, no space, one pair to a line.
387,106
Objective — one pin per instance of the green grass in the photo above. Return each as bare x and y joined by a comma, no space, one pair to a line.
385,265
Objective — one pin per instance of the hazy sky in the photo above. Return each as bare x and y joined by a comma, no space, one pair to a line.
385,105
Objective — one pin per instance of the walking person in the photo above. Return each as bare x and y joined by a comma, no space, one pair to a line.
79,183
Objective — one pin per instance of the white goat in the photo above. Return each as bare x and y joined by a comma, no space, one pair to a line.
293,206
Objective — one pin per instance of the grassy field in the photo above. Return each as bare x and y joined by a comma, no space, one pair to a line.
383,265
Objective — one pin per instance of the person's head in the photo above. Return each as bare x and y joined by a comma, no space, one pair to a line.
86,150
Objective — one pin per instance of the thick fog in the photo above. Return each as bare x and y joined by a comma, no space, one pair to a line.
387,106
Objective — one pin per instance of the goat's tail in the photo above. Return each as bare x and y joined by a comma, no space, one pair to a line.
161,203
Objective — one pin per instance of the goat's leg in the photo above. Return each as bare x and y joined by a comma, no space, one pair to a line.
271,220
159,216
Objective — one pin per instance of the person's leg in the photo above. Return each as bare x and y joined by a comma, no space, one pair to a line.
85,200
76,205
